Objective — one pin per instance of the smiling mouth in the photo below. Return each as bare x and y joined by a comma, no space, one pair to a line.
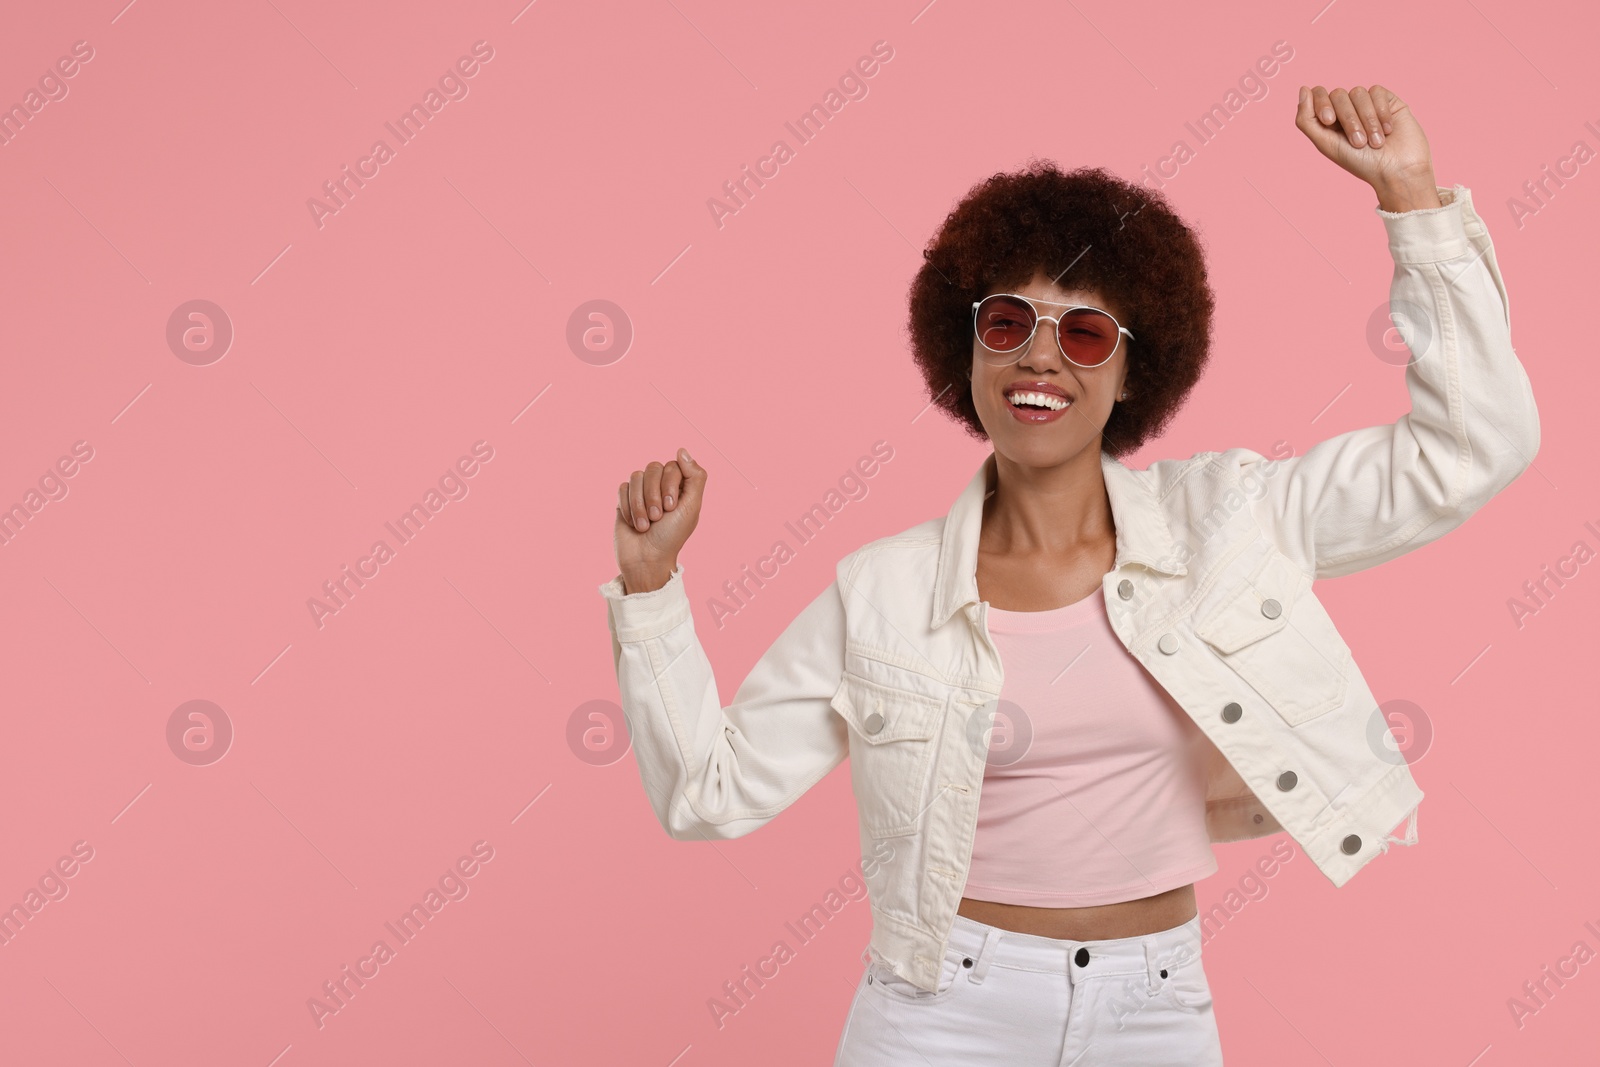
1037,401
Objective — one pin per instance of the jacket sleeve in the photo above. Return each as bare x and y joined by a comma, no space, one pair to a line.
720,772
1364,497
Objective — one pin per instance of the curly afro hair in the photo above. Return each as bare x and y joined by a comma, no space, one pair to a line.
1117,237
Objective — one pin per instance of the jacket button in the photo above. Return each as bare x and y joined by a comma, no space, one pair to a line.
874,723
1286,780
1081,957
1168,643
1231,712
1125,589
1271,608
1350,845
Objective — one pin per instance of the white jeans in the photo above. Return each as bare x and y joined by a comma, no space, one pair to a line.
1020,1000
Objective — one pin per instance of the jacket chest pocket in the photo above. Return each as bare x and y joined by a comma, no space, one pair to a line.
1272,632
892,737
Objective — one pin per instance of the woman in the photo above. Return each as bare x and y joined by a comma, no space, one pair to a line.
1049,916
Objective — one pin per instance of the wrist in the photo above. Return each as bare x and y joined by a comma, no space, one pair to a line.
1408,194
647,579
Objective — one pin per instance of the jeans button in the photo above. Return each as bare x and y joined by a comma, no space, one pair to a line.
1081,957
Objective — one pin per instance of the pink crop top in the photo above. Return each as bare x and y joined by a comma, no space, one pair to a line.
1094,791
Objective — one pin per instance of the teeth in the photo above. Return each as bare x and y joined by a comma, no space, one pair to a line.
1048,400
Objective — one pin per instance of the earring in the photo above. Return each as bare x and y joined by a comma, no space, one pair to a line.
1124,395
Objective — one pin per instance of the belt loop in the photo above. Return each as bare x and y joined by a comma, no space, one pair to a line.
991,942
1152,964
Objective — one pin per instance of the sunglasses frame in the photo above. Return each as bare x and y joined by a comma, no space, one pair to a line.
1022,349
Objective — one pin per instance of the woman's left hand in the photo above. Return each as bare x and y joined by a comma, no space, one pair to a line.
1370,133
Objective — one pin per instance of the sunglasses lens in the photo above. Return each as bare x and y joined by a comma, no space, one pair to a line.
1004,324
1088,337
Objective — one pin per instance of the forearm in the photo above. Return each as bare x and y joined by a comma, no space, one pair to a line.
1366,496
720,772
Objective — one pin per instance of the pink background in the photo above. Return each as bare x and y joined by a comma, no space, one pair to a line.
431,711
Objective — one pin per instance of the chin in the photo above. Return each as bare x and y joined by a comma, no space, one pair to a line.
1033,450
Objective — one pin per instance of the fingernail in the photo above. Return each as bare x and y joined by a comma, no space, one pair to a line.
667,500
1359,137
1327,114
1377,138
655,512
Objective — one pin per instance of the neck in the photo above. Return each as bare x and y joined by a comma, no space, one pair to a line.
1047,509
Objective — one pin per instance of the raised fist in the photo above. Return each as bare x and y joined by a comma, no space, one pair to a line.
657,509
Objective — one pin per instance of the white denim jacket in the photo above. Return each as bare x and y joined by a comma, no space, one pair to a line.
892,664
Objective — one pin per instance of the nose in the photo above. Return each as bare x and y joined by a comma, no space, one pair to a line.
1045,348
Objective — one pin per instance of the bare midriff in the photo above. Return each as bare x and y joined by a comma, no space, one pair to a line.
1128,918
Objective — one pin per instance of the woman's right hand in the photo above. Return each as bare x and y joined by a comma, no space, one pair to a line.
657,509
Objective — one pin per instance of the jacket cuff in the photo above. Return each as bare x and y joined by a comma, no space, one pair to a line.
1429,235
642,616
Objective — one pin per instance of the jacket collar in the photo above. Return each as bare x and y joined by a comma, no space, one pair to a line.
1142,533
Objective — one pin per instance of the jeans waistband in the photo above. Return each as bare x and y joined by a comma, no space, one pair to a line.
1139,954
